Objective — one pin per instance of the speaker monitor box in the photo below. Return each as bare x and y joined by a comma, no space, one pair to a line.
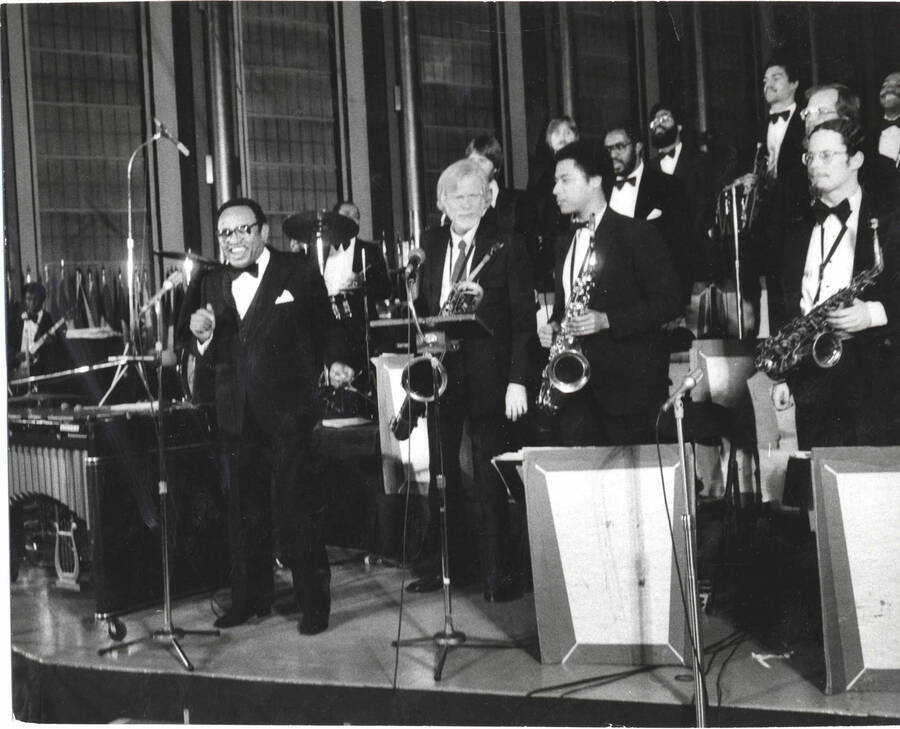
856,494
605,584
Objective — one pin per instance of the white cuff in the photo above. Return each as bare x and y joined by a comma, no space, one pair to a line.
877,313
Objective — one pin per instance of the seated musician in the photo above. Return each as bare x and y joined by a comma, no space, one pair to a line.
633,289
485,377
32,356
831,244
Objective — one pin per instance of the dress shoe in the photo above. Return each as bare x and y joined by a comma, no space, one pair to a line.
311,624
432,583
233,619
503,589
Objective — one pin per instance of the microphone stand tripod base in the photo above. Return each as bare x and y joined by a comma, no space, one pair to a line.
168,637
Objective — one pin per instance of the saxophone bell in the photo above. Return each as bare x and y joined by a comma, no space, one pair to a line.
827,349
569,371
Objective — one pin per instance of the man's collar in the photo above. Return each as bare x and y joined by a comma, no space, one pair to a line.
598,216
792,107
468,236
636,173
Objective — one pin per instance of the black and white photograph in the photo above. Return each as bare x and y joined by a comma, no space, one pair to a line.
477,363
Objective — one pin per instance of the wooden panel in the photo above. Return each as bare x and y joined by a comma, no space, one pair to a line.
856,494
605,584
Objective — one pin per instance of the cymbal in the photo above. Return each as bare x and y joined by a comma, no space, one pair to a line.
303,226
181,255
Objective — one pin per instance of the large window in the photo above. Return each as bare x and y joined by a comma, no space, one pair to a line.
87,106
458,91
288,94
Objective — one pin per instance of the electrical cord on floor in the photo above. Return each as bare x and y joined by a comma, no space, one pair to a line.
722,671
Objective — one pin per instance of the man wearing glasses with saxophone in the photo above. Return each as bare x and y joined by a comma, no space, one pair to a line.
841,393
485,378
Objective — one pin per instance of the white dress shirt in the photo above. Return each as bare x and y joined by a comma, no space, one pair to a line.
450,260
668,163
578,250
29,331
244,287
839,270
339,268
624,201
889,143
775,136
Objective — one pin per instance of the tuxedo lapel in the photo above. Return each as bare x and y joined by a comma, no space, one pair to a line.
863,256
263,302
603,240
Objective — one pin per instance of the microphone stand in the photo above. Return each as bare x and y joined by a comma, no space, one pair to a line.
132,337
688,523
737,263
449,637
168,635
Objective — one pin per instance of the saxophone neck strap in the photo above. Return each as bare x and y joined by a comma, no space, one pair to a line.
827,258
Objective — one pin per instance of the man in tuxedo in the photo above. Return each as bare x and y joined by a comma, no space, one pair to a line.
508,209
354,289
486,377
825,248
678,157
263,322
884,177
639,192
635,291
28,329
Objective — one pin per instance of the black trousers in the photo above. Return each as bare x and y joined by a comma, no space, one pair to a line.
256,470
583,421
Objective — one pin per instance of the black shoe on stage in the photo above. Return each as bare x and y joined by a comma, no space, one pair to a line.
312,623
432,583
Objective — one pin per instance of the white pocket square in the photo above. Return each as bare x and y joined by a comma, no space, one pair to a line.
654,214
285,298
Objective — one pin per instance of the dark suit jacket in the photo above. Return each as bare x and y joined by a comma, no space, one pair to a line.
697,177
45,357
870,343
790,154
636,285
666,194
491,361
270,360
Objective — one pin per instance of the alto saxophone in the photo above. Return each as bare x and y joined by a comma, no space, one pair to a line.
567,369
810,335
424,373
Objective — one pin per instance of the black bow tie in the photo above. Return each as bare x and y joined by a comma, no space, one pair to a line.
779,115
670,153
252,269
345,244
888,123
34,317
821,211
621,183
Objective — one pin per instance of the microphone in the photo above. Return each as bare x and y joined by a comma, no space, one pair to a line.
163,131
687,384
175,278
416,259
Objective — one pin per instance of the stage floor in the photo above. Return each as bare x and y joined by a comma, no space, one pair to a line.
266,672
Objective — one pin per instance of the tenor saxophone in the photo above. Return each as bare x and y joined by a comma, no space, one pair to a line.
567,369
810,335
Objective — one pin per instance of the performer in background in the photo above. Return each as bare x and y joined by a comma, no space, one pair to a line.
486,378
645,194
636,290
679,157
28,328
884,177
824,249
348,284
263,323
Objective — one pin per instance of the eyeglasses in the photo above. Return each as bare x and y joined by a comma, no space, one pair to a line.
660,119
817,110
242,230
471,199
618,147
826,155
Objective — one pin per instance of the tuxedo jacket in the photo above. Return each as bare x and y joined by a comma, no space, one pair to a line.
268,362
697,177
659,191
870,344
45,355
492,361
638,289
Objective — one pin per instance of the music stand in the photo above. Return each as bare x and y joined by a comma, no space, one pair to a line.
450,327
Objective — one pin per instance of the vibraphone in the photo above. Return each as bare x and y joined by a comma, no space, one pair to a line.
101,463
